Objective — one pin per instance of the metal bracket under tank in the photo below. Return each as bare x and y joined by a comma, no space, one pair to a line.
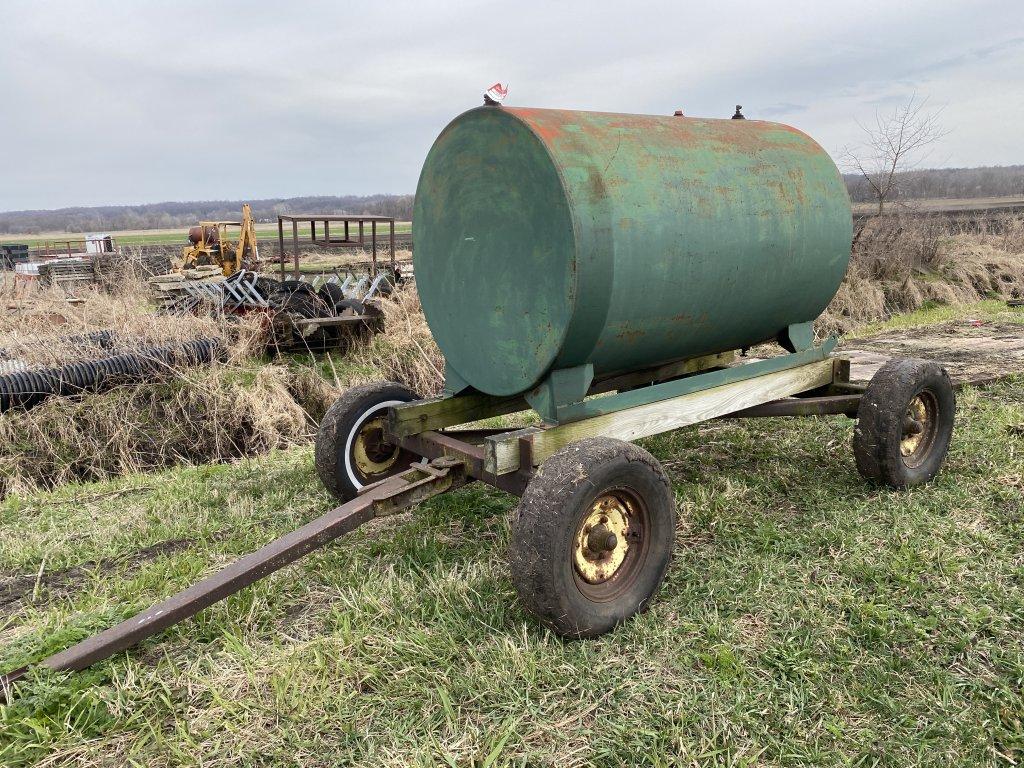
560,398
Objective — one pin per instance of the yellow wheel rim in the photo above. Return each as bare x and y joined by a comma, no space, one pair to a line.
371,455
919,428
602,542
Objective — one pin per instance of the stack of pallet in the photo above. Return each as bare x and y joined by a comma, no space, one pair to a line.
168,289
69,274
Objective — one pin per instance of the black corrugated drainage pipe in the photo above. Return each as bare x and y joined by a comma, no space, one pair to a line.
26,389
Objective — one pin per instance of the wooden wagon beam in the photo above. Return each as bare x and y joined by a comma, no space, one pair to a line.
502,452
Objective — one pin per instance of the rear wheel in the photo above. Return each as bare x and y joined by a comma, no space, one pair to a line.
904,423
592,536
331,294
350,450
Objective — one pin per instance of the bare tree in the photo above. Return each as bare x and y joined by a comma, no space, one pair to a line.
894,145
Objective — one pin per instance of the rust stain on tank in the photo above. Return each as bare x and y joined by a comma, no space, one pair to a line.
549,125
595,185
630,334
686,321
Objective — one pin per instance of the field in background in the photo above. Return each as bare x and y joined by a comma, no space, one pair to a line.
951,205
177,236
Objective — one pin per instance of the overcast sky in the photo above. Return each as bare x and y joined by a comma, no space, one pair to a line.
129,102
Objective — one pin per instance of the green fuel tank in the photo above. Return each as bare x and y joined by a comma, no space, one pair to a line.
550,239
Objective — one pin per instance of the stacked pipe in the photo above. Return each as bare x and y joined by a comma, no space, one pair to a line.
25,389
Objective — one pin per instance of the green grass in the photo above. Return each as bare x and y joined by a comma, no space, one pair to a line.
807,619
934,313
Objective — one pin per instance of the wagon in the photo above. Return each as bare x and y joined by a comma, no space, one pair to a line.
610,273
592,534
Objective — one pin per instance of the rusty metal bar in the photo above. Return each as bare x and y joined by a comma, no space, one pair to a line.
435,445
391,244
373,248
419,482
280,242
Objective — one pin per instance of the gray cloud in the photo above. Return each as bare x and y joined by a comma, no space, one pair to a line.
118,102
776,111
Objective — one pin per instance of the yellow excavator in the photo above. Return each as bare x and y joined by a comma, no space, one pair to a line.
212,242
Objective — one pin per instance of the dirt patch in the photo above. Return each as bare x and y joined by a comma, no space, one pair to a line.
973,351
14,589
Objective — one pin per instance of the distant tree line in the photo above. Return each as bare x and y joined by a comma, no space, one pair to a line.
994,181
997,181
110,218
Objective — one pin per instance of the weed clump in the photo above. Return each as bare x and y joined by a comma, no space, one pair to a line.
902,263
405,351
194,416
237,407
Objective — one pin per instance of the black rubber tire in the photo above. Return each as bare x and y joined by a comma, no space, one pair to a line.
354,304
880,423
265,286
298,299
547,522
296,296
331,294
293,286
332,452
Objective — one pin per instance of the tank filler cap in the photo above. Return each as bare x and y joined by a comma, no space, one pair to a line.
494,95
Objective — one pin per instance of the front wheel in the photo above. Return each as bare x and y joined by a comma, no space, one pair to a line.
350,450
904,423
592,536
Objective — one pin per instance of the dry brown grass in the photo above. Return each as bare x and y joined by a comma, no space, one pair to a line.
406,351
900,264
195,416
237,407
320,256
40,326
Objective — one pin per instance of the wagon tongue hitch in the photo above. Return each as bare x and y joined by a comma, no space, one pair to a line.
387,497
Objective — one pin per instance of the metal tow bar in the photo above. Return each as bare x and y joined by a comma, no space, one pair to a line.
387,497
